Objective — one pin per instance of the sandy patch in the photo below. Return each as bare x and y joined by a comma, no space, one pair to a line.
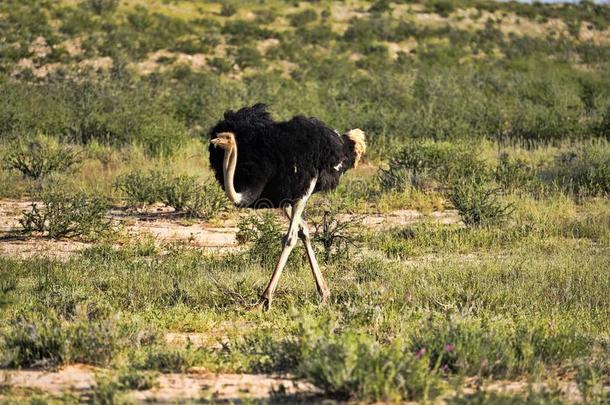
75,378
80,379
264,45
153,62
40,248
164,227
222,387
569,389
408,217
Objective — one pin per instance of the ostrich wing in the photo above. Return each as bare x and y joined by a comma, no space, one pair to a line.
251,179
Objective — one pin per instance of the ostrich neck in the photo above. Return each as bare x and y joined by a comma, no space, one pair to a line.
228,168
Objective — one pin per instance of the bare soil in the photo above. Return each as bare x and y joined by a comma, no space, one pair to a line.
164,226
197,384
80,379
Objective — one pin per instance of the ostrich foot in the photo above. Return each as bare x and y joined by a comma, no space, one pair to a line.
263,304
325,296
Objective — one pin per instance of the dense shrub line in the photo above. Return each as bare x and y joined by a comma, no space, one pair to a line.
453,103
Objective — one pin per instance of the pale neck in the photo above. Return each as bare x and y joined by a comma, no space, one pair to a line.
228,168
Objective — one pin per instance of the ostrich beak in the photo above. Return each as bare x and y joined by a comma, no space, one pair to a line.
215,142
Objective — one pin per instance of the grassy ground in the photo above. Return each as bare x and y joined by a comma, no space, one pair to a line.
496,114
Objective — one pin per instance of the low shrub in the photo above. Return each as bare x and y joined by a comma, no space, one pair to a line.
592,375
110,387
264,232
477,203
265,15
168,360
247,56
514,174
500,348
346,364
93,342
33,343
221,65
333,230
184,193
107,390
67,214
242,31
582,172
228,10
441,7
423,164
39,157
380,6
303,18
130,379
140,188
102,6
351,365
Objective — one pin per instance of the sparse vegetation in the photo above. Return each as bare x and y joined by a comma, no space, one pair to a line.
40,157
477,203
184,193
67,214
490,119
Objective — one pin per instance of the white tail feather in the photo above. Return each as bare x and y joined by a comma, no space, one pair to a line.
357,136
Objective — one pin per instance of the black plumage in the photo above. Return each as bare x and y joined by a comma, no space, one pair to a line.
277,161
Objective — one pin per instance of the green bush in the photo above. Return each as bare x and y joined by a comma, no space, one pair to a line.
102,6
345,364
168,360
33,343
137,380
243,32
424,164
477,203
221,65
228,10
499,348
140,188
303,18
248,57
40,157
351,365
8,282
67,214
185,193
264,232
583,172
266,15
93,342
162,136
380,6
441,7
514,174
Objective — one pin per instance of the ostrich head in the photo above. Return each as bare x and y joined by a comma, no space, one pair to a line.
224,140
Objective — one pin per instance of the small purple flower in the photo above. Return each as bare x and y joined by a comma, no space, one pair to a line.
449,347
420,353
445,368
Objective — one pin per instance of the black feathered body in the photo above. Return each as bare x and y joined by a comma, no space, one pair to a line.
277,161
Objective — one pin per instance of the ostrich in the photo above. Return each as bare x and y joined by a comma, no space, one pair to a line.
263,163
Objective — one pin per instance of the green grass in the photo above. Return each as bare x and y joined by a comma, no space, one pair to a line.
508,305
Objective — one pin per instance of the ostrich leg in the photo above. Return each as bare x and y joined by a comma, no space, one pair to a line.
311,257
290,241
